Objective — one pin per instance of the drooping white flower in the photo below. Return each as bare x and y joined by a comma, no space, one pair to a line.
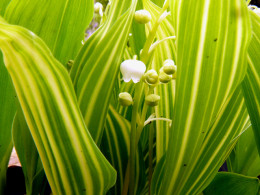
132,69
98,8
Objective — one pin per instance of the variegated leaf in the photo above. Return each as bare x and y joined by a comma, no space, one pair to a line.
212,41
96,67
61,24
251,83
72,162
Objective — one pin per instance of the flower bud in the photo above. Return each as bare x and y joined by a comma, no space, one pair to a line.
152,100
70,64
151,77
164,78
132,69
169,67
142,16
98,8
125,99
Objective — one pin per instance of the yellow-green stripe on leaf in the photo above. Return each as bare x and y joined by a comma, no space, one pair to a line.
212,38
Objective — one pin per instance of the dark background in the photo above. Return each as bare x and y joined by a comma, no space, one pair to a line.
255,2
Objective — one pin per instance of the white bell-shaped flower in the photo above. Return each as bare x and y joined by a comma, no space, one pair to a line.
98,8
132,69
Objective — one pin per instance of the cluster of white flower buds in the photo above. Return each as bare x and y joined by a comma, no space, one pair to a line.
135,70
98,8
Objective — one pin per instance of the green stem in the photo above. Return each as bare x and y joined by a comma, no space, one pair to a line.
137,98
150,39
144,57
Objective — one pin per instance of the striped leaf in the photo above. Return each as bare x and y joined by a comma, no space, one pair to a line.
72,162
216,146
251,83
165,50
116,147
212,41
27,154
7,104
8,109
98,62
61,24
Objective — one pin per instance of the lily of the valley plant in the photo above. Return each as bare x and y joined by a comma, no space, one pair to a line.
155,101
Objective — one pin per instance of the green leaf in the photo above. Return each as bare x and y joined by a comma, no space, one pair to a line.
158,175
219,142
230,183
207,78
158,2
61,24
96,67
3,5
8,109
251,83
72,162
27,153
244,158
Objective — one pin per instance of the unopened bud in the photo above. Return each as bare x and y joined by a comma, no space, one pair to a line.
70,64
142,16
152,100
98,8
151,77
169,67
164,78
125,99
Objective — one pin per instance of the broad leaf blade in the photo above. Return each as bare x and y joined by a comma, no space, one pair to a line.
61,24
246,160
3,5
251,83
230,183
217,144
98,63
72,162
206,79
